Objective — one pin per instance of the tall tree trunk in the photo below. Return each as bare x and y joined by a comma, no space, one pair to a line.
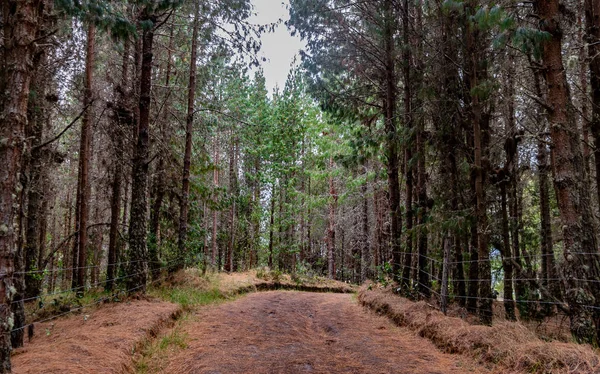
477,75
510,180
271,224
302,202
216,186
83,198
389,109
580,250
473,285
378,242
256,210
592,26
507,258
138,252
422,200
364,245
122,119
34,184
159,186
20,29
229,260
331,225
187,158
408,152
550,284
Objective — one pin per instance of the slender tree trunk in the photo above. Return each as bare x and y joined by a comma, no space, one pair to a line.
408,153
159,181
35,182
331,225
473,285
507,258
580,250
216,186
378,243
592,27
389,109
510,180
424,278
123,118
83,198
256,208
189,128
138,252
302,203
364,247
271,224
477,75
550,284
422,199
229,260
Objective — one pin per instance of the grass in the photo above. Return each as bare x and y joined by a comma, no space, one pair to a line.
189,297
155,353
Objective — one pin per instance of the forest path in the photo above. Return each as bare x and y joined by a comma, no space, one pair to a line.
301,332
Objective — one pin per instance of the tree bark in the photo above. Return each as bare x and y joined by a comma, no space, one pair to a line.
507,258
592,27
159,186
138,251
187,158
477,75
331,224
408,152
391,138
216,186
81,218
422,199
364,247
20,29
122,119
271,224
580,250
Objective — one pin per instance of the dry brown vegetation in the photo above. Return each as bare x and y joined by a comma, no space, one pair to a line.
313,333
106,337
510,347
101,340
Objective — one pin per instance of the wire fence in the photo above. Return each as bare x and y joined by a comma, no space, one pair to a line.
444,291
102,298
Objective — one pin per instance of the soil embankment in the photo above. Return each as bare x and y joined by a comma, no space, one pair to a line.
509,346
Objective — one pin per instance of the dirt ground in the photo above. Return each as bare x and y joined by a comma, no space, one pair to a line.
95,341
299,332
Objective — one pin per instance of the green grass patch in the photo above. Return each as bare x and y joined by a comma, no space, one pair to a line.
189,297
155,353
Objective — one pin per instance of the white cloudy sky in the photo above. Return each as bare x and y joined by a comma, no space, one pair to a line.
279,47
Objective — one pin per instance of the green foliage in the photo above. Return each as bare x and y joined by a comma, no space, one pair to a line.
112,16
530,41
189,296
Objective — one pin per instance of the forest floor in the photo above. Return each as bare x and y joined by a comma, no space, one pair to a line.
301,332
217,324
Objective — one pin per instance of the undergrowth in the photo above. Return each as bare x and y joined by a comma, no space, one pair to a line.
154,353
188,297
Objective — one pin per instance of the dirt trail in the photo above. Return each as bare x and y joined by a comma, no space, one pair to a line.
298,332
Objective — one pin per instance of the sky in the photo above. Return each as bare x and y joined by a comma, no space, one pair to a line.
279,47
